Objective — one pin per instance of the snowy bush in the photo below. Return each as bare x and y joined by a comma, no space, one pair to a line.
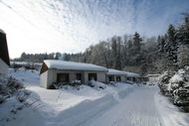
55,85
8,87
22,95
177,86
176,81
97,85
12,97
164,82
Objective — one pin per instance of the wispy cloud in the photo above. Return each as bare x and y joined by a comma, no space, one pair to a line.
37,26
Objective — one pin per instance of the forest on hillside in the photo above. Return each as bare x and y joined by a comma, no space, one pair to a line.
132,52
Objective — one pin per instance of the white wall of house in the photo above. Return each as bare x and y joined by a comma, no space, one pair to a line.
50,76
43,79
85,77
101,76
123,79
3,67
47,78
53,75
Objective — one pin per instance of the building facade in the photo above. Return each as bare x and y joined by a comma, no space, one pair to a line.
4,55
55,71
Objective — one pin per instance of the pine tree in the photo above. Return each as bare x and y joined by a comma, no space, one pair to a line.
114,50
137,42
171,47
118,57
130,44
183,40
161,44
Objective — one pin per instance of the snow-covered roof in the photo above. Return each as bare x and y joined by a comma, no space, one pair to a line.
115,72
153,75
120,73
24,63
1,31
131,74
68,65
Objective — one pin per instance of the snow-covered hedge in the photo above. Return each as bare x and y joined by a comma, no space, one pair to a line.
59,85
177,87
97,85
77,83
8,87
164,82
13,97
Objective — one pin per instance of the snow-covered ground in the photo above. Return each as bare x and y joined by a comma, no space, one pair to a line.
170,114
120,105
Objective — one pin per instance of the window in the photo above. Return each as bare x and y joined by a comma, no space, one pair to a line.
111,78
78,76
118,78
134,79
63,77
129,78
92,76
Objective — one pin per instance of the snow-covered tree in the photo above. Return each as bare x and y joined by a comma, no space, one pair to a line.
171,47
183,55
176,85
137,42
183,40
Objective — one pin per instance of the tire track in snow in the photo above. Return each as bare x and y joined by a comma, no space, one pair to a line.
137,109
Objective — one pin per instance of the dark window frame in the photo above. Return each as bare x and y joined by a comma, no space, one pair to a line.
111,78
92,76
118,78
78,76
61,76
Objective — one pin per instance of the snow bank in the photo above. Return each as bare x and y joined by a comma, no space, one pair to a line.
97,85
86,111
12,98
65,106
169,113
28,77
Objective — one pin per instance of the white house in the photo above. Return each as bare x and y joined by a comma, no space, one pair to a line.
54,71
122,76
134,77
4,55
153,77
116,75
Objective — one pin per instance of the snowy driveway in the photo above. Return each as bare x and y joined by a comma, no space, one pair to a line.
137,109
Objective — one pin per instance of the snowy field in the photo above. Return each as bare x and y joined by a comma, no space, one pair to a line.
119,105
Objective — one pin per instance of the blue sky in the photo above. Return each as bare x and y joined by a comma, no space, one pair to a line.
73,25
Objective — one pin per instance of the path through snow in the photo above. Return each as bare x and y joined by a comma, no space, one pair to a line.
137,109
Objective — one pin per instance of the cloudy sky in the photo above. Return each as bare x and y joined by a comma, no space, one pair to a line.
38,26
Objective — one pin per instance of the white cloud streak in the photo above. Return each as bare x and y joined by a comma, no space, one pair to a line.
36,26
